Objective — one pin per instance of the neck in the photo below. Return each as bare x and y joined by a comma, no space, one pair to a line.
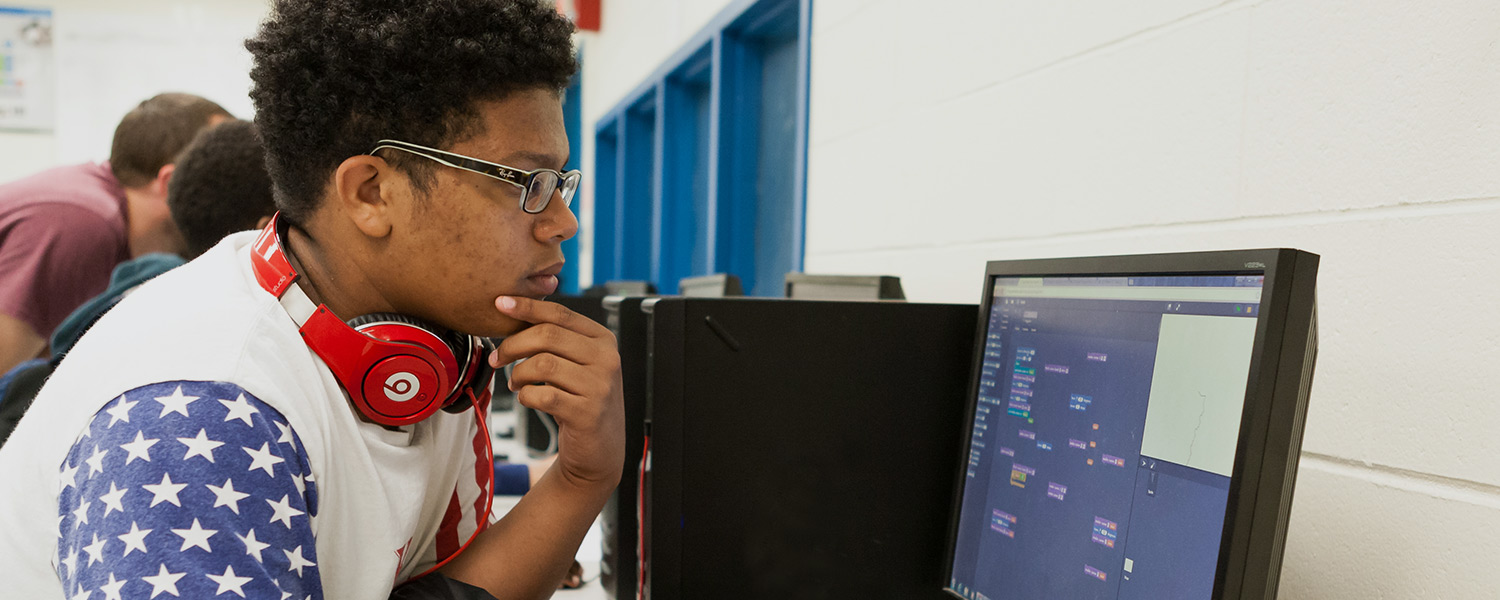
332,279
148,224
335,281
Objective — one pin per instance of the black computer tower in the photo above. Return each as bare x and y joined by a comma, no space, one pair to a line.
619,523
802,449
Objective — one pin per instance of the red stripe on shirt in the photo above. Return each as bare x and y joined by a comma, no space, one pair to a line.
447,535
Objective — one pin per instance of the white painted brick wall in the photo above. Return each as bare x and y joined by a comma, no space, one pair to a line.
1364,131
1367,131
109,55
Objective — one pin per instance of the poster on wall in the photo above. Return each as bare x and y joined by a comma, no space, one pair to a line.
27,82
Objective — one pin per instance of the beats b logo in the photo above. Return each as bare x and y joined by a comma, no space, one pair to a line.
402,386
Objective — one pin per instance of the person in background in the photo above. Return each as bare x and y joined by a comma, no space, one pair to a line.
220,186
62,231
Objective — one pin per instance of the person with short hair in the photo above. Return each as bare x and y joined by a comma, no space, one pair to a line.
299,412
221,186
63,230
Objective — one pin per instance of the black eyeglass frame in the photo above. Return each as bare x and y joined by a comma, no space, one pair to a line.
567,182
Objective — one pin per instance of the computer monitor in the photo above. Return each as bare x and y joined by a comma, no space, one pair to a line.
718,285
629,288
1134,426
806,286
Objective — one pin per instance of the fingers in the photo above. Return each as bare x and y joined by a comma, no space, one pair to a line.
557,330
551,369
549,337
551,400
539,311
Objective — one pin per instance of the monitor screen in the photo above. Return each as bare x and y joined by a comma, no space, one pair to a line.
1104,436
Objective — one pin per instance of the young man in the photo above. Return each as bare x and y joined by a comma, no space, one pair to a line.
224,431
63,230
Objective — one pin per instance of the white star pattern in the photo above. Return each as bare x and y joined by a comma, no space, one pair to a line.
81,516
252,545
166,491
200,446
68,478
283,511
163,581
120,411
114,500
96,462
95,550
165,497
226,496
135,540
112,589
228,582
138,448
176,403
239,409
196,536
71,562
263,459
295,556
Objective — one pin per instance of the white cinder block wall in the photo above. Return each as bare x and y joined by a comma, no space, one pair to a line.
1367,131
111,54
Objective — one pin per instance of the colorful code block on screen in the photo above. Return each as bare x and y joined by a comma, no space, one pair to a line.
1080,402
1105,532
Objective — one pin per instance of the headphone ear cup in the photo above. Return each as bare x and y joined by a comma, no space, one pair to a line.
387,386
394,373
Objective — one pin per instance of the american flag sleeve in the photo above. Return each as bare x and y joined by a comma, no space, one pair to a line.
187,489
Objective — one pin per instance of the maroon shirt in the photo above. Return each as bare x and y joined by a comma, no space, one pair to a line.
61,233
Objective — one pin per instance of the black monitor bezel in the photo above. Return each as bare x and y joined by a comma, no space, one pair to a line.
1275,307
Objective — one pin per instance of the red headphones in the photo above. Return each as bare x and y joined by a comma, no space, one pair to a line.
396,369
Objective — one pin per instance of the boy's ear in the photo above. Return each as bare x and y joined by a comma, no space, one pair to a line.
363,188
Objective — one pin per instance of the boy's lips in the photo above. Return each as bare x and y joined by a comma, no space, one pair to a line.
543,282
541,285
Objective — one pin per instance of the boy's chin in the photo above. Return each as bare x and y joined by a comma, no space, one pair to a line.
499,327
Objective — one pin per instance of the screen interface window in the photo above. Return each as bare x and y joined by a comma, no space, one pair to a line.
1104,436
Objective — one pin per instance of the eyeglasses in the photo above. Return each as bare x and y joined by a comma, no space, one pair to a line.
536,186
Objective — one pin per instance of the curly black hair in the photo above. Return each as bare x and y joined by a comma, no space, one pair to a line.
332,77
220,185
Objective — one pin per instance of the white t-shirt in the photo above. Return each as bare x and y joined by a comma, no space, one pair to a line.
192,444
